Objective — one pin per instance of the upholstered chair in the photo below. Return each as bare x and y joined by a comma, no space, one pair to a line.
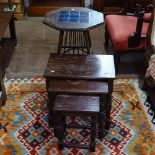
126,33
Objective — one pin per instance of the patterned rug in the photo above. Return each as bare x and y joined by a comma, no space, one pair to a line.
24,129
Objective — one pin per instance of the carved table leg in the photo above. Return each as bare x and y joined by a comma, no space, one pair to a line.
109,104
102,116
61,34
60,130
88,41
93,133
51,118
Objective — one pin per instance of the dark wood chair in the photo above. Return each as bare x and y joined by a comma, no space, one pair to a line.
127,32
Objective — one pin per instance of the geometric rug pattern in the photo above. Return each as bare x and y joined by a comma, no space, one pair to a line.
24,129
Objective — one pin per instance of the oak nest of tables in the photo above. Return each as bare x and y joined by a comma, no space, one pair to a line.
74,25
80,75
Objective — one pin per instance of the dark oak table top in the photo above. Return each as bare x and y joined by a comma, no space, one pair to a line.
93,67
73,103
69,18
86,87
5,18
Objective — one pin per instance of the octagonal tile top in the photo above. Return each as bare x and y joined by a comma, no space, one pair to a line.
77,18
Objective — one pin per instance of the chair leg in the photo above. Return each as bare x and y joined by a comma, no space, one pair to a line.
106,43
117,61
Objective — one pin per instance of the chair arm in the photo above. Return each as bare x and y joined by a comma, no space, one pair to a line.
135,37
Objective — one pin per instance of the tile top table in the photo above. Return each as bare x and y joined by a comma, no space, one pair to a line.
83,67
68,18
74,25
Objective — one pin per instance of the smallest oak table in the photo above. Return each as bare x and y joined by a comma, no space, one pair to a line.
74,25
98,68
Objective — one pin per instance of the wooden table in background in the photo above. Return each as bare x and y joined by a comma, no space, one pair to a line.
74,25
6,46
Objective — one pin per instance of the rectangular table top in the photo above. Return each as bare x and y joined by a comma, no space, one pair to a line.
93,67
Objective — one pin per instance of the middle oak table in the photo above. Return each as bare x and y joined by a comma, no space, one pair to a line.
93,68
74,25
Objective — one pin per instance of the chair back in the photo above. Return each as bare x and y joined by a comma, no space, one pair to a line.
139,5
